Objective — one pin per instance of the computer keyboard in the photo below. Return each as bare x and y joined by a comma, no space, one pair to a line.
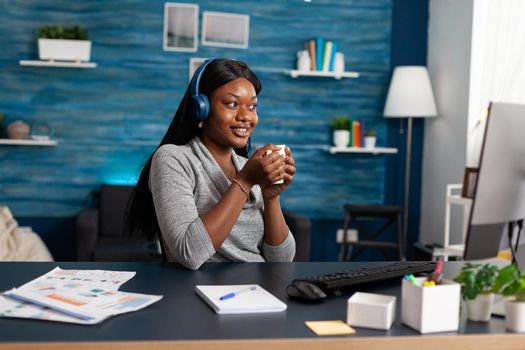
351,278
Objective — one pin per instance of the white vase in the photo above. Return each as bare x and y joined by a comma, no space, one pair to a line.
303,61
480,308
370,141
515,316
341,138
339,62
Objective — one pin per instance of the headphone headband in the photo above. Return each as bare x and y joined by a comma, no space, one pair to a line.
199,104
194,86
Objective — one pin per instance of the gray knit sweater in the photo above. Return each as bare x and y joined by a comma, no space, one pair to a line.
186,182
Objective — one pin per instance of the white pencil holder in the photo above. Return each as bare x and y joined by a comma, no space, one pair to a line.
430,309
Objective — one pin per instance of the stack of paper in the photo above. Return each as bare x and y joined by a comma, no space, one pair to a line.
75,296
239,299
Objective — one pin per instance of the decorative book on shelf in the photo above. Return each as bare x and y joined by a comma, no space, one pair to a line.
322,54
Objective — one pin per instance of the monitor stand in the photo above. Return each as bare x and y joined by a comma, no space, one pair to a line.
518,257
498,306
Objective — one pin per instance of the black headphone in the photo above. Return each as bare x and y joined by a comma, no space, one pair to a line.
199,104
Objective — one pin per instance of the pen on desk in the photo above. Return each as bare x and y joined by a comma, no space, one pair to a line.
232,294
436,276
438,267
412,279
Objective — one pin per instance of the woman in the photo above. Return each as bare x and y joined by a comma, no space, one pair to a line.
198,190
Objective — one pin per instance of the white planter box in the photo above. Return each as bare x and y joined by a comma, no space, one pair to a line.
370,141
480,308
515,316
64,50
430,309
341,138
371,310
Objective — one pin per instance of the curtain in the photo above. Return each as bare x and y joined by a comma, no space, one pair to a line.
497,72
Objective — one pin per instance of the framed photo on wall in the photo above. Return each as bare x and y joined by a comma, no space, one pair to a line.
225,29
195,62
180,27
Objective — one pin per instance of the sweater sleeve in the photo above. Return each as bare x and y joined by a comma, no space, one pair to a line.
171,183
283,252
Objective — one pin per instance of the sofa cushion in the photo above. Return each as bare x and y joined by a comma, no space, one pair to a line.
113,202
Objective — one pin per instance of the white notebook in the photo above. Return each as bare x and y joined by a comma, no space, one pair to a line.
239,299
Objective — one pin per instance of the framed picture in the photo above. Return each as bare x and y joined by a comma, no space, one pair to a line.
195,62
180,27
225,29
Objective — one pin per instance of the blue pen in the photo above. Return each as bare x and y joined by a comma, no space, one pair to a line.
232,294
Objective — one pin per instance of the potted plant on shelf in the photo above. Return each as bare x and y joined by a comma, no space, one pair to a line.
341,131
64,43
370,138
477,282
511,284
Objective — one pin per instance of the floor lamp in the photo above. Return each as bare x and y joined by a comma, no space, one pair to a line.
409,96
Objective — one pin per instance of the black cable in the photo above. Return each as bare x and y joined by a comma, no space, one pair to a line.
510,234
520,228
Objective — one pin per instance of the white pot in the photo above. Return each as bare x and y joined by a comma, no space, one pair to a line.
480,308
339,62
64,50
303,61
341,138
515,316
370,141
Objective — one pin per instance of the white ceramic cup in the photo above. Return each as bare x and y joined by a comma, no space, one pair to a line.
281,152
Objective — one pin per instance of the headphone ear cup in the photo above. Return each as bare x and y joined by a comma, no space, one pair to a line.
201,107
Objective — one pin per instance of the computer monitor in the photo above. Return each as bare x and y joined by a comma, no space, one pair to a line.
499,196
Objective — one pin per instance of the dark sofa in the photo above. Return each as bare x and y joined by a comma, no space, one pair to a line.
100,234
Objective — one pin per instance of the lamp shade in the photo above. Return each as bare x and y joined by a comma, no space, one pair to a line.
410,94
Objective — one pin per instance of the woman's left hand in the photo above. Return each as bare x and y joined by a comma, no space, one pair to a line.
287,171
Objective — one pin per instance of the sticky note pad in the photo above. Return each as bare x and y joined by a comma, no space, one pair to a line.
329,327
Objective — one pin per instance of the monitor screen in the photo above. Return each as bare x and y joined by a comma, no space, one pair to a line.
499,196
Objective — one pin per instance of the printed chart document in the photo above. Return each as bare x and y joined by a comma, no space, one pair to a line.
239,299
20,309
76,296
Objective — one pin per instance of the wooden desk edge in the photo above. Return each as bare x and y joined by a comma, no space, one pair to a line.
507,341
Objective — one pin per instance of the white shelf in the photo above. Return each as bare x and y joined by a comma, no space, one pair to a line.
296,73
457,199
65,64
455,250
375,150
28,142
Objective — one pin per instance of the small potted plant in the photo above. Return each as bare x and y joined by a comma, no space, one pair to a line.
64,43
511,284
477,282
370,138
341,131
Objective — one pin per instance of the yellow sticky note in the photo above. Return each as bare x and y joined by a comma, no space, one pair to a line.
329,327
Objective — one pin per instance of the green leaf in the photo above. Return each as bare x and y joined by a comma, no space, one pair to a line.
476,279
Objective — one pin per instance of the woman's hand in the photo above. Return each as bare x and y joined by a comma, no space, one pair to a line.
264,169
287,172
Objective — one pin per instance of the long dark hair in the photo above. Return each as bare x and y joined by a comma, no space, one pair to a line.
140,217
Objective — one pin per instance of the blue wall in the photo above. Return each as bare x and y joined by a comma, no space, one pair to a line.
408,47
109,119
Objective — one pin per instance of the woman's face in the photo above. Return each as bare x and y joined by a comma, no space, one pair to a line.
233,115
